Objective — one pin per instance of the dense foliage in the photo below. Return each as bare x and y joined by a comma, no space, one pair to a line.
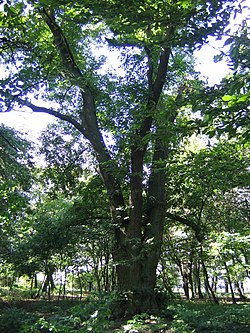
16,178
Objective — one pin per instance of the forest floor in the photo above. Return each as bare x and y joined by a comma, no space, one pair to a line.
74,316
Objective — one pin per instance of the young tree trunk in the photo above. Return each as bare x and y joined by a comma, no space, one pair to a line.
190,278
197,280
49,284
239,284
60,290
184,274
165,277
80,283
34,283
226,286
230,283
240,291
113,279
208,284
214,283
64,282
185,285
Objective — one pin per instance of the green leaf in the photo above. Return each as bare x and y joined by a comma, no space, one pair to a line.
227,98
228,41
244,98
218,57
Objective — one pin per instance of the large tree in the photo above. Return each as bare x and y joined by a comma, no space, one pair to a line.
48,49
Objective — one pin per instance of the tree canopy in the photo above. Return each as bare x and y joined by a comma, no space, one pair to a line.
134,121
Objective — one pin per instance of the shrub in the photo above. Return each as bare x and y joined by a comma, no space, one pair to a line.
12,319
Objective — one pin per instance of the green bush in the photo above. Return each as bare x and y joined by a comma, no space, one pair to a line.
53,325
93,316
210,318
12,319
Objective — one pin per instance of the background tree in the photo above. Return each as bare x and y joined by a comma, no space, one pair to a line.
210,200
16,179
226,105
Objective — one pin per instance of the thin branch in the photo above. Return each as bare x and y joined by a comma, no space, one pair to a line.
8,142
196,228
201,208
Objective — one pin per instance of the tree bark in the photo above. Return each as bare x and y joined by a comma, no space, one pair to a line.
156,209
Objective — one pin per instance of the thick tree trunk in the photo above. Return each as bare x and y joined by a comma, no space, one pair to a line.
156,210
139,242
136,273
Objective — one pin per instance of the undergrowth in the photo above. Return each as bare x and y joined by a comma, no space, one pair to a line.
95,315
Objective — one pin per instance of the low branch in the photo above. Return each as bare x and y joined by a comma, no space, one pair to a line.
52,112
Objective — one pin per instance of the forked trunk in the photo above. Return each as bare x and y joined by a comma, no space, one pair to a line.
139,242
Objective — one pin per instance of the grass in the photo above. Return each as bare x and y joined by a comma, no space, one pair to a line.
94,315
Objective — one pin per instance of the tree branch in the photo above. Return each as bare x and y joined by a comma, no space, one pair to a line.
8,142
52,112
196,228
89,125
161,74
88,114
155,88
62,45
